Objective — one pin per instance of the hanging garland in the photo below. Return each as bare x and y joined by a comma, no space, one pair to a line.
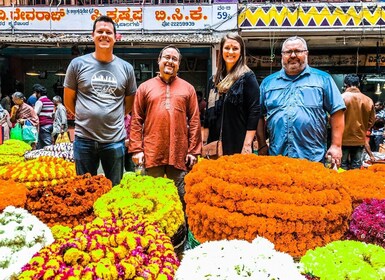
116,248
296,204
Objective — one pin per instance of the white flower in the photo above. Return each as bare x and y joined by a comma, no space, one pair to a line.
21,236
237,259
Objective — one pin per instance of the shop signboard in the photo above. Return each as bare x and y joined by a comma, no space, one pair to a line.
191,18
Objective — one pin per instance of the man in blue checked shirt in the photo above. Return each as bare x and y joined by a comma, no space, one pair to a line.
297,102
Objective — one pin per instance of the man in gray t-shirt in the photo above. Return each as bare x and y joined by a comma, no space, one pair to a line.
99,90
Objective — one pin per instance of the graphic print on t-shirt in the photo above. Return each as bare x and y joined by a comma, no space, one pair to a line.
104,83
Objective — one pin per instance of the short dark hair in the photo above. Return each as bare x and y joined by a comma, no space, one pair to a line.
170,47
352,80
35,86
104,19
41,90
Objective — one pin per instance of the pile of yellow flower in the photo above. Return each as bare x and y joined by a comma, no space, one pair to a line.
296,204
365,183
116,248
40,172
12,151
155,199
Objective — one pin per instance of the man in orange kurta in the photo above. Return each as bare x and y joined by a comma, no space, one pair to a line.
165,127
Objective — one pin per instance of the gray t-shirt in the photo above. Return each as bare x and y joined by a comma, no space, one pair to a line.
100,91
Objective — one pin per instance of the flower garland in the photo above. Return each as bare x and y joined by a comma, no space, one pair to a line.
346,260
123,248
365,183
237,259
69,203
155,199
296,204
12,193
368,222
12,151
40,172
21,236
61,150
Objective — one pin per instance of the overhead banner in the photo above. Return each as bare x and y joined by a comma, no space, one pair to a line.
184,19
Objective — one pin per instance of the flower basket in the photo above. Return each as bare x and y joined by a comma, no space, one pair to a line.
21,236
117,248
345,260
368,222
237,259
40,172
12,193
296,204
69,203
155,199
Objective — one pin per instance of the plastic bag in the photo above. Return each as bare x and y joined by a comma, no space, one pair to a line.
63,138
29,132
17,132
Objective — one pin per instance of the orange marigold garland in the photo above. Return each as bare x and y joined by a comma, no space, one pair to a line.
364,184
40,172
296,204
69,203
12,193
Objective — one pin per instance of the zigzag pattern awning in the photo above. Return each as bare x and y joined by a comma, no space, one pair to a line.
317,15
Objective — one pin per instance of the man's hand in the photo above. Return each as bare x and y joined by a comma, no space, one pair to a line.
138,158
190,160
336,153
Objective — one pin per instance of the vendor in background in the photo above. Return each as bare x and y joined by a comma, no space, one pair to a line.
377,137
44,109
5,124
59,118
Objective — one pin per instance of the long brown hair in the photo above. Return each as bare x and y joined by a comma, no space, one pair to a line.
238,69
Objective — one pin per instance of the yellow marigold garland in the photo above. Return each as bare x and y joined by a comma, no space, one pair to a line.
12,193
296,204
124,248
155,199
69,203
40,172
12,151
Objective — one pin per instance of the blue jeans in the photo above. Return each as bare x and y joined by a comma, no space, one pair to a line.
88,153
351,157
45,137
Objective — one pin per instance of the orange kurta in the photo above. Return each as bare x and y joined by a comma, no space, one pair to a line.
165,123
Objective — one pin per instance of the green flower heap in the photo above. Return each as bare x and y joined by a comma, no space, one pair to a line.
346,260
21,236
12,151
155,199
124,248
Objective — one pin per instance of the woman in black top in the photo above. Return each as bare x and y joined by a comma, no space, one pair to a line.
233,96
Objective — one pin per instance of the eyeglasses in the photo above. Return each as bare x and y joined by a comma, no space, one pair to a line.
172,58
296,52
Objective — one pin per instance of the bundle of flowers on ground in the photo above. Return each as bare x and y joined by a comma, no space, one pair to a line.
368,222
117,248
21,236
345,260
296,204
61,150
12,193
40,172
155,199
68,203
364,184
237,259
12,151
